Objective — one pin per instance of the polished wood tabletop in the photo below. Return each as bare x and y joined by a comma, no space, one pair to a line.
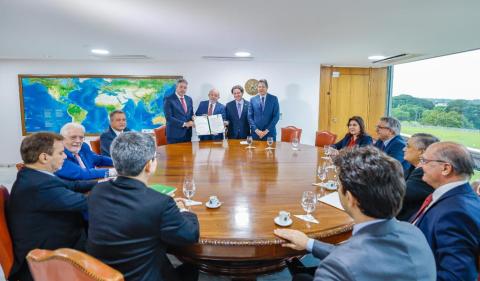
253,186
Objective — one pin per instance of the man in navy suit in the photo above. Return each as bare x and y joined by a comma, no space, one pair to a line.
390,141
44,211
381,248
237,115
178,110
145,222
118,125
450,216
263,113
211,107
81,162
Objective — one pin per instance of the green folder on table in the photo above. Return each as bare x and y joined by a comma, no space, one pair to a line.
165,189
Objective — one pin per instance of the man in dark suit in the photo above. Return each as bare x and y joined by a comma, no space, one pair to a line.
81,162
263,113
237,115
178,110
449,217
417,189
211,107
44,211
381,248
118,125
390,141
145,222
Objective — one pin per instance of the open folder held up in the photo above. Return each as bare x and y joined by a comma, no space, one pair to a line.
209,125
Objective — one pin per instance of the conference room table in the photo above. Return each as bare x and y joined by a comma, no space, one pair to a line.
253,185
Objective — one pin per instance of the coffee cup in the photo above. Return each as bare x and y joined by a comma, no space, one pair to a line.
284,216
213,201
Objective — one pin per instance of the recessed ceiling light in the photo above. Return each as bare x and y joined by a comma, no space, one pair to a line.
242,54
376,57
100,51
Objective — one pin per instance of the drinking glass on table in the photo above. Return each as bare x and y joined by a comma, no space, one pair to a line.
322,172
309,201
249,141
269,142
295,143
188,188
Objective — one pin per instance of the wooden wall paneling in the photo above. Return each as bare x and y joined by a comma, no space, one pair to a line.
324,101
377,98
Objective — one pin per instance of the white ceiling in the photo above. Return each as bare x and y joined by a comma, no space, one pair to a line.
338,32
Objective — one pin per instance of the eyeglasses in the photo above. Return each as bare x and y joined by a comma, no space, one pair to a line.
425,161
382,127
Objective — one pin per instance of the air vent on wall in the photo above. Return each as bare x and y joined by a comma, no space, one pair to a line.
397,58
125,57
227,58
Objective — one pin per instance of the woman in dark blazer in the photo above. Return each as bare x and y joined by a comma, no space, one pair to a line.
356,134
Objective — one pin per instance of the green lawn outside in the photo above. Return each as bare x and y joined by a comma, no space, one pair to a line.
470,138
476,176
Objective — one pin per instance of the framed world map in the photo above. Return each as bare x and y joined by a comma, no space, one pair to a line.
49,101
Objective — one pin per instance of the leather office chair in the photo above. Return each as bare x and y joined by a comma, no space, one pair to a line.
95,145
6,247
160,135
69,264
325,138
19,166
289,132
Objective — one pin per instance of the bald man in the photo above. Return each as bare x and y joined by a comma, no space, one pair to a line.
450,216
211,107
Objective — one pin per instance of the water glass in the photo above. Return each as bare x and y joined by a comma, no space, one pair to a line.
309,201
269,142
322,172
295,143
188,187
249,141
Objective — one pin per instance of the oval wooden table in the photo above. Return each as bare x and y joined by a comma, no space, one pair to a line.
253,185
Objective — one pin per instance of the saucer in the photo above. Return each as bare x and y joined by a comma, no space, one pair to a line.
213,206
280,223
330,185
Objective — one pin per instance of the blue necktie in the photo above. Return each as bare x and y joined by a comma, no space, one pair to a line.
239,110
263,104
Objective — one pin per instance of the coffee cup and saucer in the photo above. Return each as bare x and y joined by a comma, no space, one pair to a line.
213,202
283,219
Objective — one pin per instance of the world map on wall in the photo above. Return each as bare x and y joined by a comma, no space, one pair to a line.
50,102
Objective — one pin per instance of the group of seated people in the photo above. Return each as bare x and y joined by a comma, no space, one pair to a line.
416,216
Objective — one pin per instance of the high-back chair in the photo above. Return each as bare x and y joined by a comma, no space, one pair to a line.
325,138
69,264
6,247
95,145
19,166
160,135
289,132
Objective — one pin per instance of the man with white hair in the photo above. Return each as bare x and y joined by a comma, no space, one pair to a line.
211,107
81,163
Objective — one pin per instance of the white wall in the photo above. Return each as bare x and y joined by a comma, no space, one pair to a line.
296,85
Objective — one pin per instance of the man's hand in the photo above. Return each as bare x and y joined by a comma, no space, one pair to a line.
297,239
181,203
189,124
259,133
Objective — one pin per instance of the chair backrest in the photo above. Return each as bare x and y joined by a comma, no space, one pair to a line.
69,264
95,145
325,138
19,166
160,135
6,247
289,132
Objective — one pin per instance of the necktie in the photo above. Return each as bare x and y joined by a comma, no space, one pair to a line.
239,110
422,209
184,105
210,109
79,159
263,104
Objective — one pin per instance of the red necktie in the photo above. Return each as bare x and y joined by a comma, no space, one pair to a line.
80,162
423,208
210,109
184,105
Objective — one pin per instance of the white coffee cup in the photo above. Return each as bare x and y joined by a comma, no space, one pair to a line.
213,201
284,216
